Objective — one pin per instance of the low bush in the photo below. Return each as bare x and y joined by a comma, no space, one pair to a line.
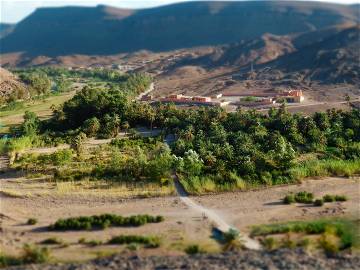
289,199
345,230
288,242
329,243
300,197
148,241
193,249
269,243
8,260
33,254
52,241
334,198
340,198
31,221
329,198
103,221
304,197
319,202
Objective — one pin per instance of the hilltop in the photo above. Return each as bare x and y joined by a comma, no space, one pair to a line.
106,30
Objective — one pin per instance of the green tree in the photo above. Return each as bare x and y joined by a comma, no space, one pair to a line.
91,126
77,144
31,124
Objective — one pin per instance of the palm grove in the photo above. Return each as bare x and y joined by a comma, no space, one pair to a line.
213,151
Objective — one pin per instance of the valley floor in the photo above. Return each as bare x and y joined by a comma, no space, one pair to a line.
182,225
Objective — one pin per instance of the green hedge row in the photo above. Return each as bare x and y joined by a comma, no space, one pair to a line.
103,221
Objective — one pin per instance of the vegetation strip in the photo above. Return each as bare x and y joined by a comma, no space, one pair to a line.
345,230
103,221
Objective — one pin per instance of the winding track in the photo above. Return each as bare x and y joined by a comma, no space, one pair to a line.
219,222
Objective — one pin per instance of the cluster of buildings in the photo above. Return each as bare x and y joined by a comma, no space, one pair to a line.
266,98
293,96
255,99
195,100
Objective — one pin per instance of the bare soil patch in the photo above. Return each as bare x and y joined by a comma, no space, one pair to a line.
182,225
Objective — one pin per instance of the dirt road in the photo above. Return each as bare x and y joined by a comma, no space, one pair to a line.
216,219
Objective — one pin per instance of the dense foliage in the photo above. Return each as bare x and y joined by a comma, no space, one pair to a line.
213,150
148,241
103,221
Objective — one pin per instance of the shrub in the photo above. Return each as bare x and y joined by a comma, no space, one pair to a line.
300,197
33,254
329,198
30,254
51,241
329,243
103,221
193,249
62,157
31,221
340,198
344,229
288,242
319,202
304,197
231,240
148,241
82,240
8,260
289,199
304,243
269,243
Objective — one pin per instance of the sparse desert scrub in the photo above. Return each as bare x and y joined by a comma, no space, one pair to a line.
193,249
103,221
106,188
31,221
344,231
30,254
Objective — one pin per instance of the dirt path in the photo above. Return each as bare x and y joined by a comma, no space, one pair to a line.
218,221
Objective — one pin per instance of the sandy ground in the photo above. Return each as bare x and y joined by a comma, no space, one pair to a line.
182,224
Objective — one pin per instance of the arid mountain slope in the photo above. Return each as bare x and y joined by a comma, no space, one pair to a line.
104,30
332,60
10,86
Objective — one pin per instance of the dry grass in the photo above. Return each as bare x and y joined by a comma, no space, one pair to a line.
12,193
104,188
40,107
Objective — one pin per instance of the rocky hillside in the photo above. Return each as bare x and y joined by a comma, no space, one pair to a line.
334,59
249,260
11,87
328,55
104,30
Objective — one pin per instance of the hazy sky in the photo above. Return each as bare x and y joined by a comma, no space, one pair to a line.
15,10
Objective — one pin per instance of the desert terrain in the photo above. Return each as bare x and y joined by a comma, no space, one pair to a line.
22,198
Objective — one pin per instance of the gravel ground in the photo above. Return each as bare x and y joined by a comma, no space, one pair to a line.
249,260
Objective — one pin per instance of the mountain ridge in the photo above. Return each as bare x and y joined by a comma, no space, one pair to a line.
105,30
